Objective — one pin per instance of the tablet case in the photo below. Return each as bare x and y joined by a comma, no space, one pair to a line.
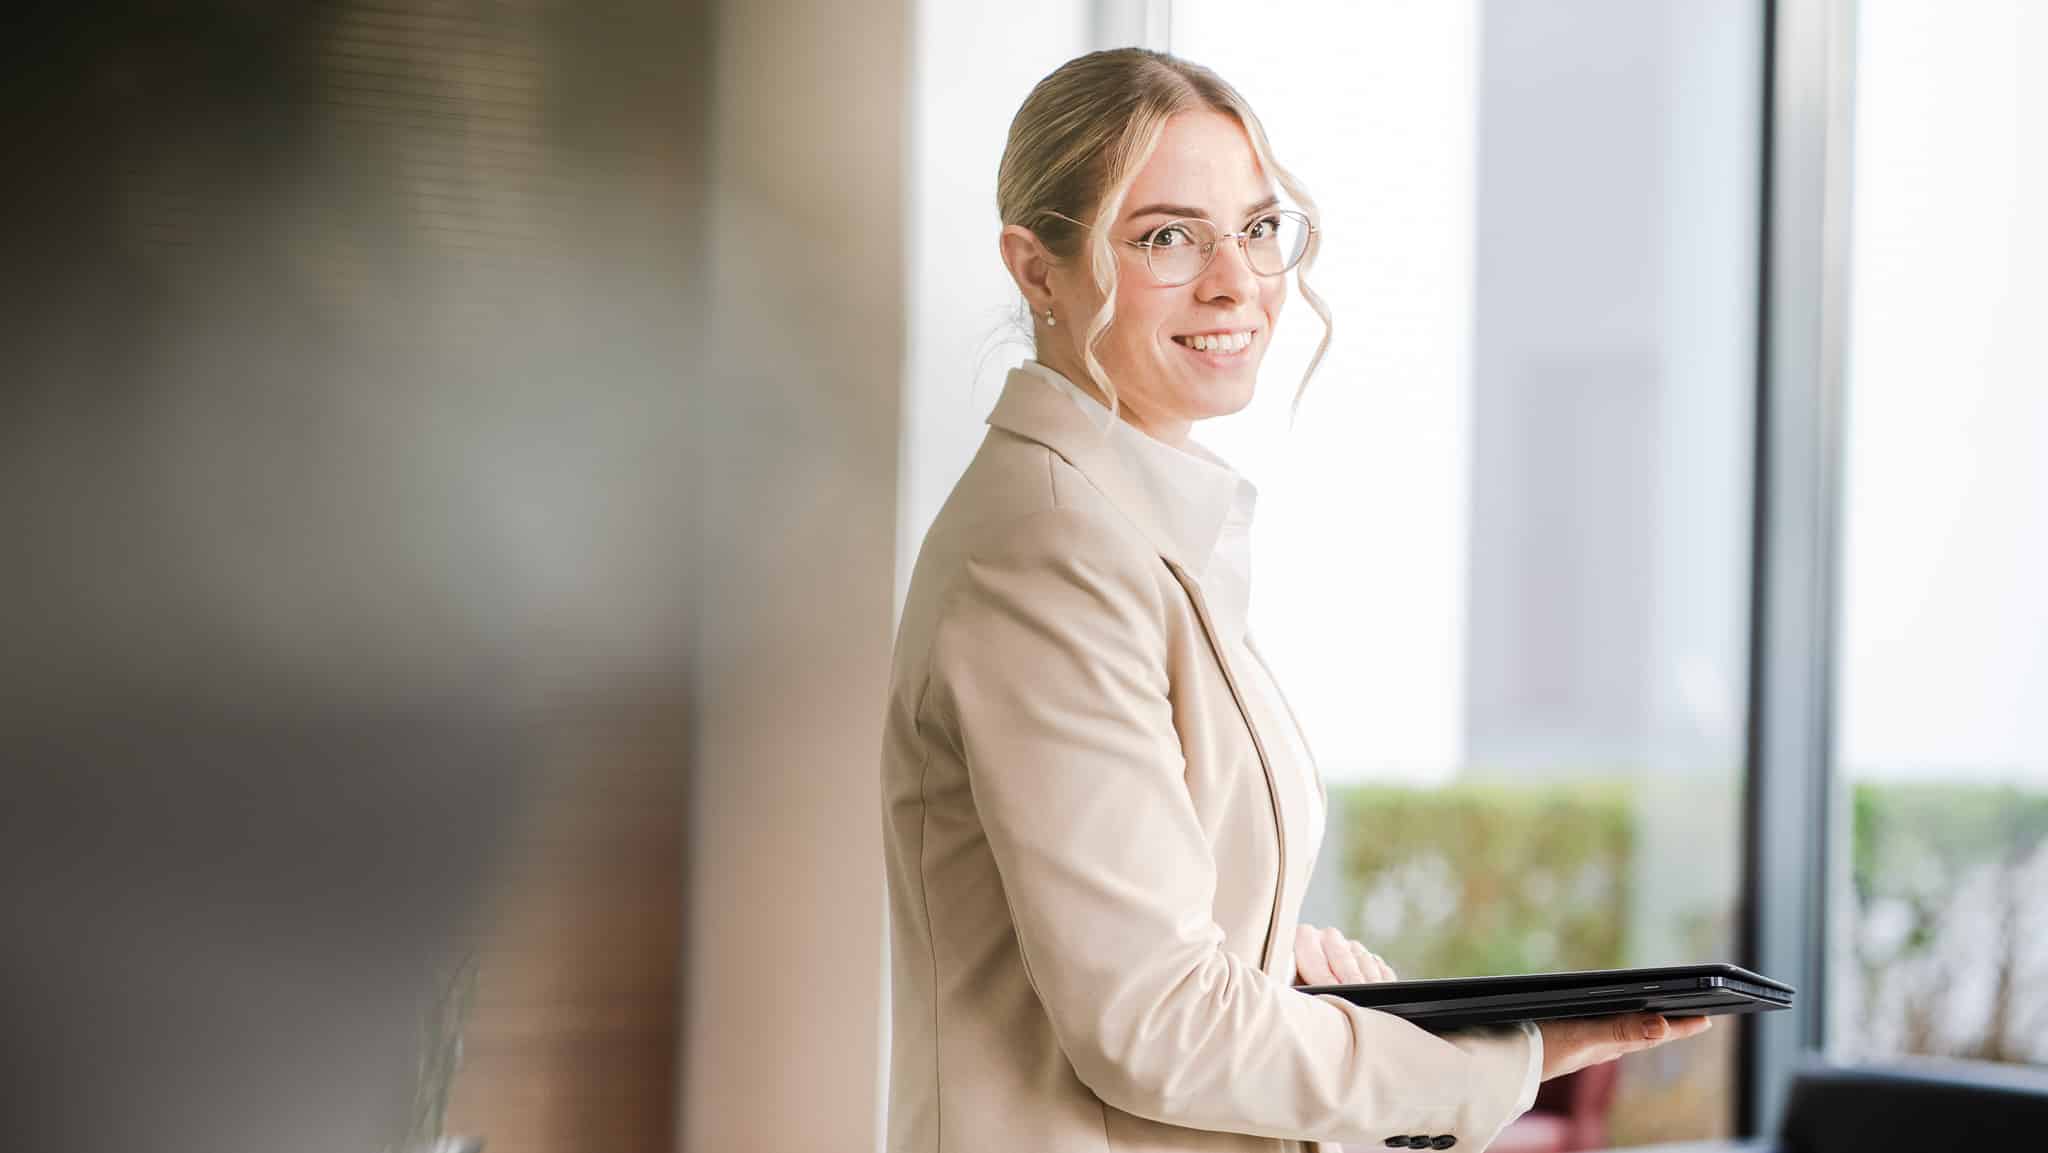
1675,991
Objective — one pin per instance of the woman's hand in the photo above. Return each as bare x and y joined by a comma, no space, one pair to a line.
1571,1045
1328,957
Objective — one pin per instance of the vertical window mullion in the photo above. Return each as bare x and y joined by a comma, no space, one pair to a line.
1793,838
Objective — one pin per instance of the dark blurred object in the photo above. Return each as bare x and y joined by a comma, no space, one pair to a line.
1925,1107
1570,1114
345,495
1957,1109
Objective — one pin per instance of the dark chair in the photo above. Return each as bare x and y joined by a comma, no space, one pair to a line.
1924,1107
1917,1108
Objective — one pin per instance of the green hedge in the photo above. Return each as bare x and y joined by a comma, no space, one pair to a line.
1487,877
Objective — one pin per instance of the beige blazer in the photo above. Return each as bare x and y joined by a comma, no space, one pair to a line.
1085,839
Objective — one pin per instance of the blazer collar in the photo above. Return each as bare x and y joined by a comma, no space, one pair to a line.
1177,498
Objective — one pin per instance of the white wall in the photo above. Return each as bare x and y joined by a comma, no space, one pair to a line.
976,61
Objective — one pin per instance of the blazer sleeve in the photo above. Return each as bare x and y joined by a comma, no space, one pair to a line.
1048,678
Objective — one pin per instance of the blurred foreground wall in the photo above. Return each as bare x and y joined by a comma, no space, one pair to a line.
350,472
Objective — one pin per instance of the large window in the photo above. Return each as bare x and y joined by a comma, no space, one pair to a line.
1940,945
1519,482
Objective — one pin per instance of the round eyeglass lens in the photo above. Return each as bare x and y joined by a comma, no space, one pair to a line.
1274,242
1180,250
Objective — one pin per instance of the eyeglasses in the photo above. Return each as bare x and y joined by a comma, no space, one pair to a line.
1180,250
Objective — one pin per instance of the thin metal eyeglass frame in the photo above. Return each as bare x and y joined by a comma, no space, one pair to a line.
1243,239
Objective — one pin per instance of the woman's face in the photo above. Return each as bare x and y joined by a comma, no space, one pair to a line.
1203,167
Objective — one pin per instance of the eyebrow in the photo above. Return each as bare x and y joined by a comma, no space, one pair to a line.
1184,210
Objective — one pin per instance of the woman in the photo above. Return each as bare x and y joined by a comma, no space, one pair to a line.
1099,815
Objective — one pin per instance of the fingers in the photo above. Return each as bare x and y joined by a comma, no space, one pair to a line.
1328,957
1683,1027
1634,1032
1630,1031
1654,1029
1309,960
1569,1045
1343,961
1369,963
1386,971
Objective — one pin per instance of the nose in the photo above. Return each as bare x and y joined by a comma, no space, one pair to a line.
1229,276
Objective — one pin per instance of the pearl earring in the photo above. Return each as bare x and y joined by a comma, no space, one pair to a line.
1050,320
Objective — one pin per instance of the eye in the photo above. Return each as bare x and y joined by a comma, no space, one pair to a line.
1264,228
1171,236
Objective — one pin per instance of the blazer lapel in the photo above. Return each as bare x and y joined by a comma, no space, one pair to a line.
1183,530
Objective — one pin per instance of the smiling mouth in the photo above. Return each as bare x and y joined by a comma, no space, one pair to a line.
1217,343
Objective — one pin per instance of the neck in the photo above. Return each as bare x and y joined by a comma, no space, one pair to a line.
1170,432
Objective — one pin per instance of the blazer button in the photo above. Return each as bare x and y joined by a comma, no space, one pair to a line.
1400,1142
1418,1142
1443,1141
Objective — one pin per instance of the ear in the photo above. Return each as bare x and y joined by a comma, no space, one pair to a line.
1030,265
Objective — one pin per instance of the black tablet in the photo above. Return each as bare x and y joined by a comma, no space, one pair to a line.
1678,991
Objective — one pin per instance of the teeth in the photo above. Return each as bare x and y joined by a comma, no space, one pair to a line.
1218,342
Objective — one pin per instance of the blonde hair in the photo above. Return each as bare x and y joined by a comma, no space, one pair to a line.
1079,142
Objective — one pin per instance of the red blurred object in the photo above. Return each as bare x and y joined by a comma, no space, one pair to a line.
1570,1114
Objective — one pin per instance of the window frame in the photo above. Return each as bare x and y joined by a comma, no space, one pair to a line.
1794,847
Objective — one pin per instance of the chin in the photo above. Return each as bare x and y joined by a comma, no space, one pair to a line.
1221,396
1203,387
